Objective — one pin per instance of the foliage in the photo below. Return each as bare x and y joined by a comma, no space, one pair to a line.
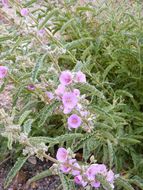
104,41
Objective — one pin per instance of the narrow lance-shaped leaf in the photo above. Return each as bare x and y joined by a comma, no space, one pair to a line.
39,176
47,112
24,116
37,67
17,166
27,126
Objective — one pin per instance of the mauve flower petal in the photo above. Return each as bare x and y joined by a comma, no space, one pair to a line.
76,172
41,32
50,95
65,169
69,100
62,154
5,3
110,176
24,12
79,180
3,72
66,78
67,110
74,121
80,77
95,184
92,171
60,90
76,92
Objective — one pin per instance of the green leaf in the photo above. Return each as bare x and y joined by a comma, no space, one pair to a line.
111,153
77,43
24,116
90,89
56,140
17,166
37,67
47,111
104,182
108,69
47,17
27,126
65,182
124,184
10,141
39,176
136,180
67,24
128,140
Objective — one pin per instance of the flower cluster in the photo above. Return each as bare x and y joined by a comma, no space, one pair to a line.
73,104
83,175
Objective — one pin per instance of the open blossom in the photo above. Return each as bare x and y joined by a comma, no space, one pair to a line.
95,169
66,167
60,90
92,171
79,180
83,175
24,12
5,3
80,77
69,100
66,78
62,155
74,121
3,72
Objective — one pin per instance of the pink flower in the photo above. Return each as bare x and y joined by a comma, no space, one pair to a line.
69,100
24,12
60,90
74,171
79,180
110,176
95,184
74,121
92,171
41,32
5,3
76,92
3,72
66,78
102,169
62,155
50,95
80,77
66,167
67,110
31,87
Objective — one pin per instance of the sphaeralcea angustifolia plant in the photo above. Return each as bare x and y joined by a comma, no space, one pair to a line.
73,105
110,53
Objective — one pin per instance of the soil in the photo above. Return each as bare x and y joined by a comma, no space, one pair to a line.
29,170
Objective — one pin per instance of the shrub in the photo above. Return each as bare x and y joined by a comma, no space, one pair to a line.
76,75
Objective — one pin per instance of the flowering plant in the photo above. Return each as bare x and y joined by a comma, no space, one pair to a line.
71,82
